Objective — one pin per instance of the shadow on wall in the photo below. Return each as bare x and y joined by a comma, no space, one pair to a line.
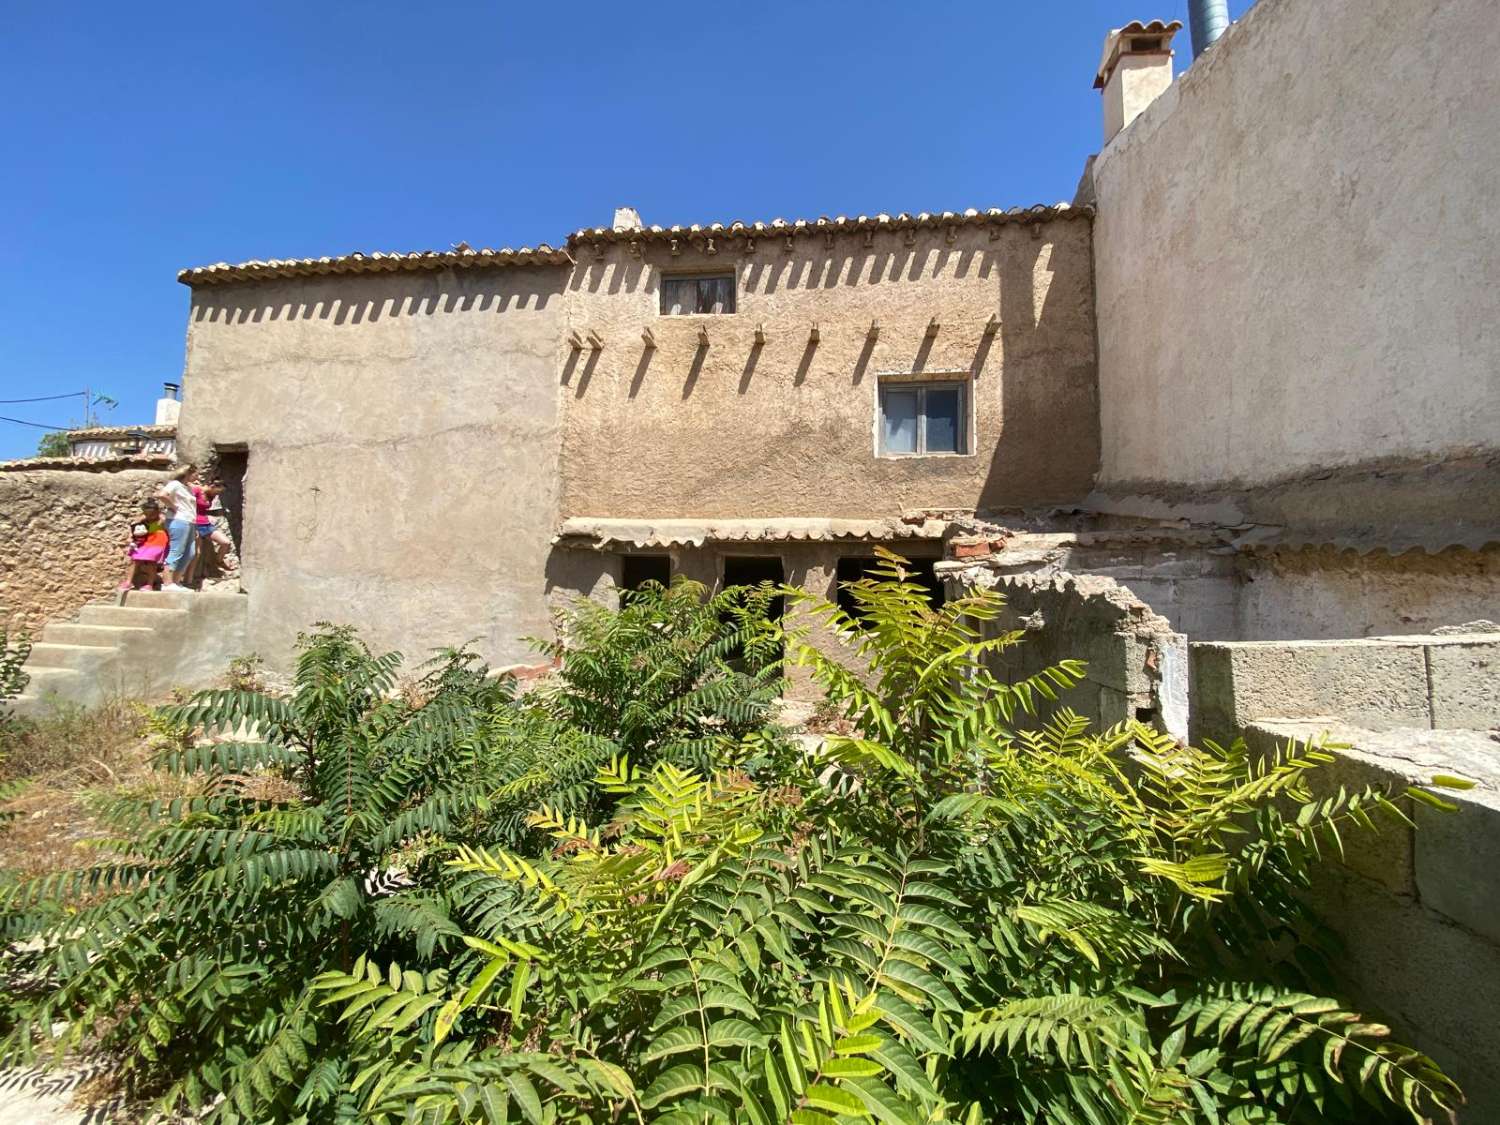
1034,386
1048,392
352,299
764,274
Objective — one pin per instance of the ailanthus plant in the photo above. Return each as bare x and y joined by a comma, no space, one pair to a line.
937,916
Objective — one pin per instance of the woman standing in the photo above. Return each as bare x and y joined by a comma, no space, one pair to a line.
182,518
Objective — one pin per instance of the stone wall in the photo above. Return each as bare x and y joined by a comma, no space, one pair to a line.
1296,257
64,530
731,425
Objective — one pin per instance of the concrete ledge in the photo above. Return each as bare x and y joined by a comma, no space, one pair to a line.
1377,683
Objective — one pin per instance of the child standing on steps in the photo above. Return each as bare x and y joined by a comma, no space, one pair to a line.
148,547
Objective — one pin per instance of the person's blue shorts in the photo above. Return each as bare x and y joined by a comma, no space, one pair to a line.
205,530
181,544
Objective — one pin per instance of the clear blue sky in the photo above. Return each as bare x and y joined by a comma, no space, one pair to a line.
141,138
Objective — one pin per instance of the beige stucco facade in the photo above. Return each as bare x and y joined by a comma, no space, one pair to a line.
417,435
1297,254
720,424
403,434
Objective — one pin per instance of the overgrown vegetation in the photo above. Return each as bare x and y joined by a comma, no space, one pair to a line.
13,677
627,896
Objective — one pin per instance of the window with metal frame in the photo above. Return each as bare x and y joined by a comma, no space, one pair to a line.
686,294
918,419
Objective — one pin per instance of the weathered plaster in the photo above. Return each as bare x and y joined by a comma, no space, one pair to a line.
786,428
1298,270
403,437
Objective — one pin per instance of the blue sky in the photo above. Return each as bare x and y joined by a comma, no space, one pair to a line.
141,138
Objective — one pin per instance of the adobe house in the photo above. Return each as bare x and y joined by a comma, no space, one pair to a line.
1227,425
438,443
1164,382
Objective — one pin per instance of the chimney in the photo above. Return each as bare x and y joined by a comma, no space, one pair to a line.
627,218
1207,20
1136,67
168,407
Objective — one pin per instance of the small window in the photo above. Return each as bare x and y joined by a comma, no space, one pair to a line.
637,570
923,418
682,295
1145,44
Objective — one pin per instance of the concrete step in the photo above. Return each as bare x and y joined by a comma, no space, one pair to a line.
133,616
45,654
44,680
106,636
171,599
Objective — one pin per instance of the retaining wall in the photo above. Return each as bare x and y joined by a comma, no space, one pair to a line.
64,529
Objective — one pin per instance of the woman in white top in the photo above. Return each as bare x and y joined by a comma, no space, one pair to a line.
182,513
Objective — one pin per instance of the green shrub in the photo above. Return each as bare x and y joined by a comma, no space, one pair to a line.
929,918
13,676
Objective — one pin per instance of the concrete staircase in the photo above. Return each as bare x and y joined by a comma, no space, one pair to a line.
157,640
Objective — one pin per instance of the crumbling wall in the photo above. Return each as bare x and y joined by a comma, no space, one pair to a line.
1295,258
64,530
1326,593
1137,665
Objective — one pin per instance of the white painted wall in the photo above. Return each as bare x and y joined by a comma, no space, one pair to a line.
1298,249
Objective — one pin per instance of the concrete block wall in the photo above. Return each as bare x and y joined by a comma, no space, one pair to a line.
1419,909
1379,683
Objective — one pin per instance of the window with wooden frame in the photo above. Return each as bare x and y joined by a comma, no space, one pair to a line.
687,294
922,419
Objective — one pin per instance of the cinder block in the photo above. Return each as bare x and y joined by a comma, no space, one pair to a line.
1458,860
1387,856
1465,681
1378,685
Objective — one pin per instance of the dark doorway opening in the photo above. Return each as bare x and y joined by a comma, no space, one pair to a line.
853,568
637,570
229,468
752,570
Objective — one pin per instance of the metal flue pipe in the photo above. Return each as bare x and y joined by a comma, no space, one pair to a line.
1208,20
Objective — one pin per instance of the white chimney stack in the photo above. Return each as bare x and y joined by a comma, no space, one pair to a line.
168,407
1135,69
627,218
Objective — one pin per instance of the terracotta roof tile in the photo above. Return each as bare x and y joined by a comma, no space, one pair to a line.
839,224
462,256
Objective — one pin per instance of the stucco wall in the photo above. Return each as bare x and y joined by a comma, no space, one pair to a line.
1298,266
787,428
63,535
402,435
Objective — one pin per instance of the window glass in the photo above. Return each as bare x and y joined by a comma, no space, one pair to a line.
682,295
900,421
944,417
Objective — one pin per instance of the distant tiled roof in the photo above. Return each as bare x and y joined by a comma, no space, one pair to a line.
840,224
462,256
113,433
